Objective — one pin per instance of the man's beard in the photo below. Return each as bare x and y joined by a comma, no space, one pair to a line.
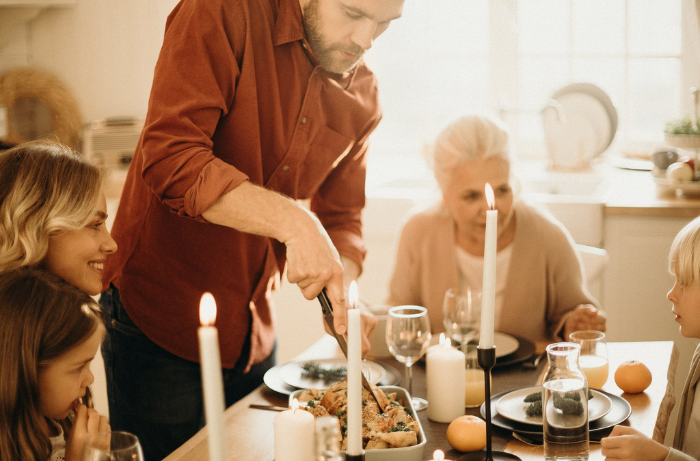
327,53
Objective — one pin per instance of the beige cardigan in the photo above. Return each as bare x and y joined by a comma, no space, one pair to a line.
545,279
683,442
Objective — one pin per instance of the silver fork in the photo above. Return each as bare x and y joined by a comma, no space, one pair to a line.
532,364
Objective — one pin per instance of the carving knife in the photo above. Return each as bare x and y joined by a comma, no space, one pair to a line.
327,309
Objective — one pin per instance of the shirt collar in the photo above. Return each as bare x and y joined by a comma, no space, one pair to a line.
289,26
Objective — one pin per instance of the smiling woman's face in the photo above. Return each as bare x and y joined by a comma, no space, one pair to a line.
465,199
78,256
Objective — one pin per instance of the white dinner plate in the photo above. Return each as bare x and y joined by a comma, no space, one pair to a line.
513,406
505,343
292,373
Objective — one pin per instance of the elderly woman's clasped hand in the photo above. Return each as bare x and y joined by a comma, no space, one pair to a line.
584,317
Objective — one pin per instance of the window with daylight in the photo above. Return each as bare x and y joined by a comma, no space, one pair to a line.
446,58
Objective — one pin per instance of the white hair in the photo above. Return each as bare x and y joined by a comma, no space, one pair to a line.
472,137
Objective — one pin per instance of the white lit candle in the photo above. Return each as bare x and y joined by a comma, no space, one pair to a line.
212,381
445,370
488,292
438,455
294,434
354,375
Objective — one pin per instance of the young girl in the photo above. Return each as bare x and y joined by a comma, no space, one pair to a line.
628,444
53,213
49,334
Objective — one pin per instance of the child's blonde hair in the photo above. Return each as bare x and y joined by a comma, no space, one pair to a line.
45,188
684,257
41,318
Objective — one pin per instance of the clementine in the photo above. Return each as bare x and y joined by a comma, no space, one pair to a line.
632,377
467,433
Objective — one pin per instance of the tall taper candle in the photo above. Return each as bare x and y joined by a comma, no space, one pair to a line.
354,376
212,381
488,291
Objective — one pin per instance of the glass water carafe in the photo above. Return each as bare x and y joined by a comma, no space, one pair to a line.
565,405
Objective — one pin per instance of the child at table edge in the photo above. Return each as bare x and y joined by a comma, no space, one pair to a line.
625,443
49,333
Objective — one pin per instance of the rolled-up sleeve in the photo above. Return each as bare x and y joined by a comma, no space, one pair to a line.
179,166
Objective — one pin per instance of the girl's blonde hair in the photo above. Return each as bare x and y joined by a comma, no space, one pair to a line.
41,318
684,257
472,137
45,188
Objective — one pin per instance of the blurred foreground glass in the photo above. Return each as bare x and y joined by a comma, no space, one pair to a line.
408,337
461,315
112,446
564,405
594,356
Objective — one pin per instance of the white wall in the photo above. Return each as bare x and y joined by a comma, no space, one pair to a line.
104,50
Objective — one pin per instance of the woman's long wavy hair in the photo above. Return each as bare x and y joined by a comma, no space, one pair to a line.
45,188
41,318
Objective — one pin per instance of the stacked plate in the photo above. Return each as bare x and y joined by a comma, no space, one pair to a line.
508,411
509,349
290,377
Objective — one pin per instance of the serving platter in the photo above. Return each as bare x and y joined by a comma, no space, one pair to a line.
512,406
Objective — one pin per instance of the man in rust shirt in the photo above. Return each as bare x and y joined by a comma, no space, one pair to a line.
254,104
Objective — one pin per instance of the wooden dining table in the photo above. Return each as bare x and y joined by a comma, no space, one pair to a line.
250,435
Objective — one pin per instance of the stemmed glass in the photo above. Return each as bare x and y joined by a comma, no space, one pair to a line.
461,315
112,446
408,338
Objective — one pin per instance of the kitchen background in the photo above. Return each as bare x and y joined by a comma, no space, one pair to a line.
443,59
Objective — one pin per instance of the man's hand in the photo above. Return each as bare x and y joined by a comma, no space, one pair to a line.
627,444
584,317
87,421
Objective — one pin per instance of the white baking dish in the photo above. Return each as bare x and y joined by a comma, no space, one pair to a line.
414,453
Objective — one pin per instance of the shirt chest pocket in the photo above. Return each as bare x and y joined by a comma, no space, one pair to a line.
326,151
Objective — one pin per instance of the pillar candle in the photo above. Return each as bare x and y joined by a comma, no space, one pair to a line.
354,376
294,434
488,292
445,370
212,381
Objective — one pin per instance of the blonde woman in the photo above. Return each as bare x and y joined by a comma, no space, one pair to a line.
53,213
540,294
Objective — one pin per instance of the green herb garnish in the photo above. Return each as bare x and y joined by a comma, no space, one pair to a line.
313,370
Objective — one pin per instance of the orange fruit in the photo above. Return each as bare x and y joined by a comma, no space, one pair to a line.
467,433
632,377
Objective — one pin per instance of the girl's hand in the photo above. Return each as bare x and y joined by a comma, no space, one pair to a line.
627,444
87,421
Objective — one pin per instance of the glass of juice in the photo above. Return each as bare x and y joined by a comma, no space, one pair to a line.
474,394
594,356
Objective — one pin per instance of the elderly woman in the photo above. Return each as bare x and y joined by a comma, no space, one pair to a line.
540,292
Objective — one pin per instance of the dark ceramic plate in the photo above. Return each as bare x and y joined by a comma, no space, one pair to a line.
621,410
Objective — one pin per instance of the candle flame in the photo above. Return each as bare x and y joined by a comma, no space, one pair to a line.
295,405
490,199
207,310
352,295
448,343
438,455
442,338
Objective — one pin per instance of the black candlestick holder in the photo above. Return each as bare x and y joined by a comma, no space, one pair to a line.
487,360
360,457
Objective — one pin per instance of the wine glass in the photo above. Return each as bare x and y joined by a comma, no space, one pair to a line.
594,356
112,446
408,338
461,315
